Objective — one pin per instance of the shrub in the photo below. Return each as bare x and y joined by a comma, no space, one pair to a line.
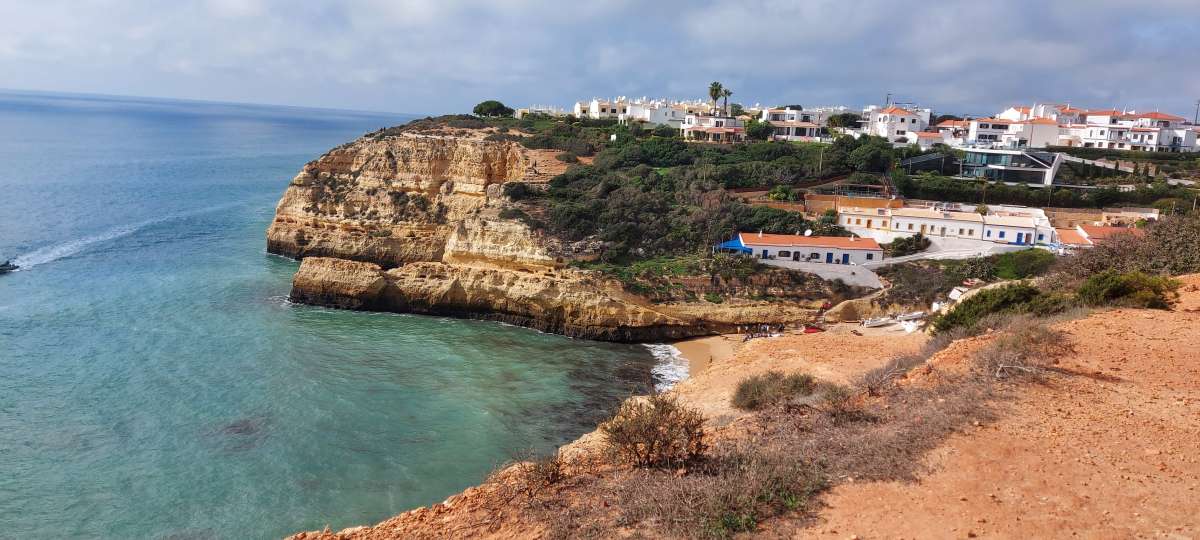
539,473
1023,264
1130,289
657,431
907,245
567,157
841,404
766,389
518,190
1025,348
713,298
968,313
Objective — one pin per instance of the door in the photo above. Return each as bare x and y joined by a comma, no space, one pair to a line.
1019,238
845,258
795,255
829,257
868,224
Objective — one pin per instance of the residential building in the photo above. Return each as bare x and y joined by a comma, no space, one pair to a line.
787,249
793,124
654,113
1127,216
894,123
1086,236
601,109
722,129
1002,224
1023,166
548,110
1148,132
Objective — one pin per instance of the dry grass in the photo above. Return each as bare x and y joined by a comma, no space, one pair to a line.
657,431
765,389
1026,348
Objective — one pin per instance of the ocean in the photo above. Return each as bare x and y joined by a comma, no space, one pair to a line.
155,382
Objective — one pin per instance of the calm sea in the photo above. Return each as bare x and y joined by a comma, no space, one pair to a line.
155,382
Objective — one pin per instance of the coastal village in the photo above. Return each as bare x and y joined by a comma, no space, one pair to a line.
889,323
1014,146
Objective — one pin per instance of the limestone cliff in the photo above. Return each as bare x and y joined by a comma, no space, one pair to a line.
411,221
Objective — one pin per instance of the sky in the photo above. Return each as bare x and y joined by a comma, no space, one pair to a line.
443,56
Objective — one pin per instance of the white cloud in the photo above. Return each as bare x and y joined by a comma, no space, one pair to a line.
441,56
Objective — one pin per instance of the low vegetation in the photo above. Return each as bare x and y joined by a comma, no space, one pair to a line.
657,431
773,387
908,245
945,188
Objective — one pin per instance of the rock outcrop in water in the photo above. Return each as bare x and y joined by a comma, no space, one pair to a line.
410,221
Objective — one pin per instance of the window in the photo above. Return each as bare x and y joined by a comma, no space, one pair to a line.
989,234
960,232
970,232
1040,237
884,225
899,132
870,256
858,221
814,255
785,254
1001,234
910,226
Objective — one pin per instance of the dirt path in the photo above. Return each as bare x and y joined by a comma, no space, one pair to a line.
1110,451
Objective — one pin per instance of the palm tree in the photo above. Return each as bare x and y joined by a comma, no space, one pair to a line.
715,91
725,93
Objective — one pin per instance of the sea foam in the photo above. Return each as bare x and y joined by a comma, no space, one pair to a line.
670,368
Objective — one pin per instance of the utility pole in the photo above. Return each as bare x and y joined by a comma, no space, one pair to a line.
1196,118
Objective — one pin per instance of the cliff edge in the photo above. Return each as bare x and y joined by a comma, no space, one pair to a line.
414,220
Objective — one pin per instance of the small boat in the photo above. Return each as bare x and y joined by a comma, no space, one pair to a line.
812,329
911,316
7,267
880,321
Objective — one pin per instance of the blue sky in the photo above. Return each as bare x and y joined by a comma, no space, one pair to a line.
419,56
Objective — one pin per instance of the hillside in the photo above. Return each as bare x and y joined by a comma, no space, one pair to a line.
1105,444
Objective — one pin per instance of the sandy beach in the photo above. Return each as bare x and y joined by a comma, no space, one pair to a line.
704,351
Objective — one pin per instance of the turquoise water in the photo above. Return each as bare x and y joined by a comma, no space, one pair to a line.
155,382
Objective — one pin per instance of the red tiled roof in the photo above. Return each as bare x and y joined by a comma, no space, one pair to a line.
953,123
1022,109
1105,112
993,120
1071,237
897,110
1041,121
1098,232
1159,116
930,134
795,240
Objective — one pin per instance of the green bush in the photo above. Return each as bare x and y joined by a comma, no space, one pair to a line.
713,298
492,107
1130,289
1023,264
766,389
519,190
907,245
567,157
969,312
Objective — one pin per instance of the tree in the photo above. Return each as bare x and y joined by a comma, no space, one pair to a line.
844,120
982,210
796,107
873,155
736,109
715,91
492,107
725,93
943,117
759,130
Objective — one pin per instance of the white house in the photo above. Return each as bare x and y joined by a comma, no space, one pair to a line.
601,109
894,123
793,124
653,112
1002,224
713,128
781,249
936,222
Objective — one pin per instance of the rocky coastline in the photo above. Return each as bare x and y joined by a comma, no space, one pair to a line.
416,222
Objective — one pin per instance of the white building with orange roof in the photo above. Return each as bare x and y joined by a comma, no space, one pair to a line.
894,123
719,129
1122,130
784,249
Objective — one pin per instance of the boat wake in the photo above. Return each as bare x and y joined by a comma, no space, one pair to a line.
66,249
670,368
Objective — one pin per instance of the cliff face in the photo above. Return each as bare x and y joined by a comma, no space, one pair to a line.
411,222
